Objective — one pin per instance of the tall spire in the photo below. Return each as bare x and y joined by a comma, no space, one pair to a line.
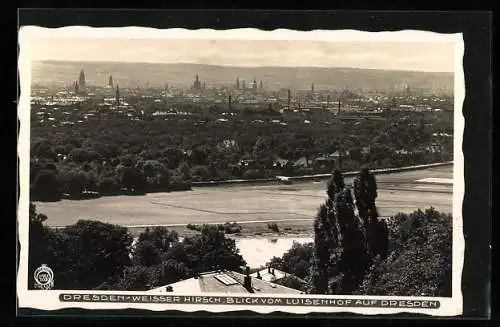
237,83
110,82
81,79
197,83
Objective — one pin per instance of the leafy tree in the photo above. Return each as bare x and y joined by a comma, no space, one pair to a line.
139,278
326,241
146,254
76,182
42,149
292,282
108,185
296,260
365,191
339,255
132,179
209,250
174,156
355,154
95,252
156,175
161,237
420,257
354,259
184,171
198,157
46,186
81,155
82,256
37,254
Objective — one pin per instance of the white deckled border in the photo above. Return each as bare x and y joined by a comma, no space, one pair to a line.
133,32
49,300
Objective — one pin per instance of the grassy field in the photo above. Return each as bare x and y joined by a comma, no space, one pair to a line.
293,207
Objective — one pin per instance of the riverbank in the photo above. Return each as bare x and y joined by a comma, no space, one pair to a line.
286,229
292,207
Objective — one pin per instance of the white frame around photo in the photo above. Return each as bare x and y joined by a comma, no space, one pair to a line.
215,302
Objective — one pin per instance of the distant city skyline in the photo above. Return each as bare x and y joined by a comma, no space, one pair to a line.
408,56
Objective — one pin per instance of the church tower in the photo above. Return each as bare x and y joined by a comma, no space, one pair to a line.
197,83
81,80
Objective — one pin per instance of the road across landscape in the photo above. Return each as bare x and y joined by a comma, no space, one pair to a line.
398,192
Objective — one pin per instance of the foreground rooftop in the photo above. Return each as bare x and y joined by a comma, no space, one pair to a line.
225,281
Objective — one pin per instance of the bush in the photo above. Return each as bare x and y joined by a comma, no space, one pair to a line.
107,186
83,255
45,186
292,282
193,227
273,227
231,228
295,261
420,257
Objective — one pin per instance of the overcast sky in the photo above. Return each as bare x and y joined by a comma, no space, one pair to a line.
432,56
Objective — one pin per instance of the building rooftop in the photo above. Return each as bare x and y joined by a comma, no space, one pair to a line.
224,282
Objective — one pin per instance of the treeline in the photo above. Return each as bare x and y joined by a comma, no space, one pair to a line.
409,255
116,155
50,181
96,255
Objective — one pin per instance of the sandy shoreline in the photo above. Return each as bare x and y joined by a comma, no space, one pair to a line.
288,229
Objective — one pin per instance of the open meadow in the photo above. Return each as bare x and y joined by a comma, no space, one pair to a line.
291,206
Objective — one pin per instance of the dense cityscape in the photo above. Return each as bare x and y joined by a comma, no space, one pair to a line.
108,139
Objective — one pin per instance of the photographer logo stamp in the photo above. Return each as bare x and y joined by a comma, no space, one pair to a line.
44,278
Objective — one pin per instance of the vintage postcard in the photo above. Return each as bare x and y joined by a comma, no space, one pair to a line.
226,170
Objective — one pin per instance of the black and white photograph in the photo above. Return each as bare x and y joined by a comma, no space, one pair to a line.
243,169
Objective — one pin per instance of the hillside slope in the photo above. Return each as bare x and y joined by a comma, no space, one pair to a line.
134,74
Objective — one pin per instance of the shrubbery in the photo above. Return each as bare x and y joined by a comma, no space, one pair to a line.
228,228
232,228
295,261
292,282
83,255
273,227
95,255
407,255
420,257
